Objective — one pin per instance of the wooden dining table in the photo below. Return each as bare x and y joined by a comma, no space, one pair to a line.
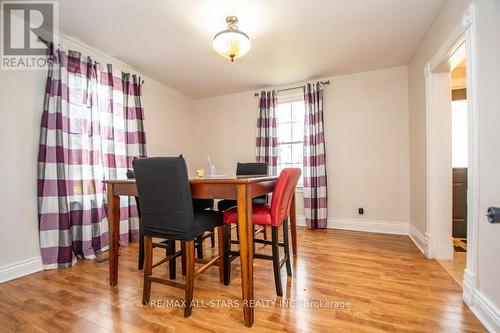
240,188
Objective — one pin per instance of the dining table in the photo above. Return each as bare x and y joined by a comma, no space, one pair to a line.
239,188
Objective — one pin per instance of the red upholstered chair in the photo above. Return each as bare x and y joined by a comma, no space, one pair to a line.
274,215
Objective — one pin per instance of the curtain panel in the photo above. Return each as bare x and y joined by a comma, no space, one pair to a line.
266,146
91,129
315,189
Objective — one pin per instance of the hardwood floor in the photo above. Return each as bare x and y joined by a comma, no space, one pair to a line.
456,267
389,284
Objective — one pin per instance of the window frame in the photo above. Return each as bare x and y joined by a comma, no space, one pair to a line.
290,99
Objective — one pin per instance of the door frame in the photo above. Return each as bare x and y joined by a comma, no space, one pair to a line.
464,32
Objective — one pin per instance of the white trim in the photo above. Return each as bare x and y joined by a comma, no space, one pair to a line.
473,169
21,268
385,227
464,31
420,240
439,163
431,162
301,220
487,313
454,40
467,287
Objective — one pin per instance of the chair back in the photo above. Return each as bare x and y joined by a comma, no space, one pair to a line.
165,197
251,169
282,195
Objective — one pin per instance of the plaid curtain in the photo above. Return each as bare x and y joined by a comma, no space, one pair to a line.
266,147
315,194
91,128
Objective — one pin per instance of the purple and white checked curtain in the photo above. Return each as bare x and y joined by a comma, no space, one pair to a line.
315,194
91,128
266,145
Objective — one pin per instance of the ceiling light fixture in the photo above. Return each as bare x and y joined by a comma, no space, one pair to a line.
231,43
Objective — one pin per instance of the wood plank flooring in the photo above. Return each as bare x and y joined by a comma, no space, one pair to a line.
387,282
456,267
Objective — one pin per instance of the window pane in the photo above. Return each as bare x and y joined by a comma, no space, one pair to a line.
285,153
297,131
297,153
298,111
283,112
284,133
290,129
281,167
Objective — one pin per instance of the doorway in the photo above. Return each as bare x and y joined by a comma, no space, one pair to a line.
438,239
459,164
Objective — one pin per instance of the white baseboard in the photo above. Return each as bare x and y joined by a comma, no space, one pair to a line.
420,240
301,220
487,313
483,308
385,227
21,268
468,287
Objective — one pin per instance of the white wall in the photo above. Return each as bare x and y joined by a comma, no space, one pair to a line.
488,52
486,293
446,20
168,116
366,124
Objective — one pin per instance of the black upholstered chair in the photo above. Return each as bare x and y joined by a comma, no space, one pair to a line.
167,213
165,244
247,169
203,204
198,204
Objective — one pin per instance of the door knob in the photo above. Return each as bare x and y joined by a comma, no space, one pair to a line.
493,214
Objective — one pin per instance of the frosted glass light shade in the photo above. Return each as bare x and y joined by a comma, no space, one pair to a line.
231,44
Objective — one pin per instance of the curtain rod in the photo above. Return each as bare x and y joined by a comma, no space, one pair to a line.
292,88
40,39
47,43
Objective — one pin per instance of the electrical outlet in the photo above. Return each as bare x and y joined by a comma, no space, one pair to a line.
361,210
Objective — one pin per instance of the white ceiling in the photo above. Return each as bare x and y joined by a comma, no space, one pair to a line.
292,40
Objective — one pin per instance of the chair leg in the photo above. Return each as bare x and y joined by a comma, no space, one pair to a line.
287,248
199,246
227,258
221,244
212,238
265,231
148,269
276,261
183,258
140,263
172,263
189,277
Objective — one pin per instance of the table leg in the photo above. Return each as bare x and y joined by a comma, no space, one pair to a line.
293,225
113,233
244,200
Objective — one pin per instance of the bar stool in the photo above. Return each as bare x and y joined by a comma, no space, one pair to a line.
167,212
276,214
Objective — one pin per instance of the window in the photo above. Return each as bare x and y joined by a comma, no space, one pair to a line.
290,114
